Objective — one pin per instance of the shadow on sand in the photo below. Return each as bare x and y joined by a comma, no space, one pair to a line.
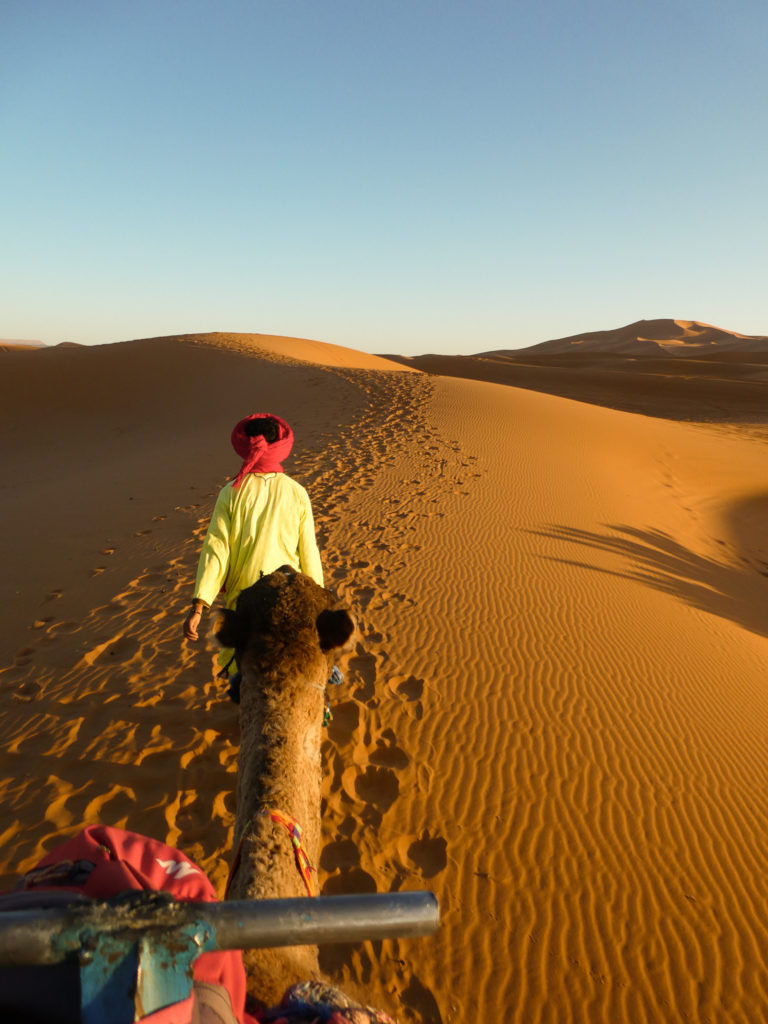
736,589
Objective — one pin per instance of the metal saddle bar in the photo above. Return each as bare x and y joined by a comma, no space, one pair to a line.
49,936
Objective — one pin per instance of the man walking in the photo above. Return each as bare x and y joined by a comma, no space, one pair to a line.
262,520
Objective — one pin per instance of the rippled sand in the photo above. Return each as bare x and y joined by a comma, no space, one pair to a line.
556,713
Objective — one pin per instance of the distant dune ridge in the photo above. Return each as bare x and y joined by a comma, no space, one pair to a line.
678,369
12,344
556,712
652,337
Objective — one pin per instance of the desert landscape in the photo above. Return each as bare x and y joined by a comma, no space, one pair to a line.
555,713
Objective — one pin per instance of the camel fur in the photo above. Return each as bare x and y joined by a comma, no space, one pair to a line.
285,630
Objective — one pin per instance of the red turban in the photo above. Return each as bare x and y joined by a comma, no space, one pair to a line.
259,456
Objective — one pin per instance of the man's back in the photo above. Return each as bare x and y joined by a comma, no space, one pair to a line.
263,523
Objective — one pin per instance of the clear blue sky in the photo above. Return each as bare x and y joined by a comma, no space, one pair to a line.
392,175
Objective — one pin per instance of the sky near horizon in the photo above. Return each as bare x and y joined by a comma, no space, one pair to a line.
402,176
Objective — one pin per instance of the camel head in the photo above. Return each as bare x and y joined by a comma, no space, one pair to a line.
283,624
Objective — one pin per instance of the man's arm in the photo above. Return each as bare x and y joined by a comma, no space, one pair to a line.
214,555
213,565
309,554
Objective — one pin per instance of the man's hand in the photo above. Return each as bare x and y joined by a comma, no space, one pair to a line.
192,621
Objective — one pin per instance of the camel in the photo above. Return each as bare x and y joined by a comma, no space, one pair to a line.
285,631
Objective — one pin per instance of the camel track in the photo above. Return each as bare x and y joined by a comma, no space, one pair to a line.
365,537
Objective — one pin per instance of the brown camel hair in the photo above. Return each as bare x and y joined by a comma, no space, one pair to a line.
284,630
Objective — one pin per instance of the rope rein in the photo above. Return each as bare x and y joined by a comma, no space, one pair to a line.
304,864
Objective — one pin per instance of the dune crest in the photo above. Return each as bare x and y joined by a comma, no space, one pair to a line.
298,350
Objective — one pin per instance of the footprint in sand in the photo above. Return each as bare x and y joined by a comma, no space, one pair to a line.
419,1000
346,718
122,650
362,597
411,688
429,854
374,637
354,880
340,855
23,657
378,787
348,827
42,623
66,627
388,755
26,692
362,670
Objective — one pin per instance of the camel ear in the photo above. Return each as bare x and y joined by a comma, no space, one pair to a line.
334,628
231,629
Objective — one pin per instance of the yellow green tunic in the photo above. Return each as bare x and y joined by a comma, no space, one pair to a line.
255,528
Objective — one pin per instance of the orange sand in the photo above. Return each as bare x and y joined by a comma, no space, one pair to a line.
555,717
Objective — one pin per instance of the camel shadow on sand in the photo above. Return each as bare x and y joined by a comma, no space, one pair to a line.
735,588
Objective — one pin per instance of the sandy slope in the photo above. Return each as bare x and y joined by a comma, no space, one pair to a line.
556,715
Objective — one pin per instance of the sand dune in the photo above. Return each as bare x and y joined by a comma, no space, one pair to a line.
556,713
16,344
676,369
654,337
299,351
